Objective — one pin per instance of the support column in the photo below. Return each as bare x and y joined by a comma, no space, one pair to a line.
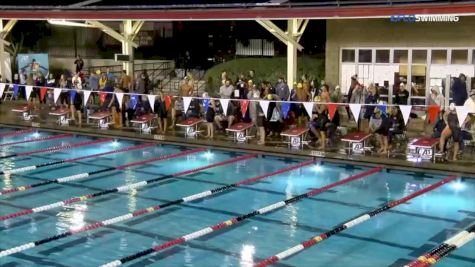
127,48
2,53
292,32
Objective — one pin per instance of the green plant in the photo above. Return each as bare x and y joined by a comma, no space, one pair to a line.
268,69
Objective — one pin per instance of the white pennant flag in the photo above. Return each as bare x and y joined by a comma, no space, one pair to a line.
186,102
2,88
224,105
406,111
462,112
355,110
56,93
119,97
28,90
309,108
87,93
151,100
265,106
469,103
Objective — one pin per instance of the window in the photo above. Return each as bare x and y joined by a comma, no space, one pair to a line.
400,56
364,56
382,56
419,56
473,59
418,87
459,56
347,55
439,57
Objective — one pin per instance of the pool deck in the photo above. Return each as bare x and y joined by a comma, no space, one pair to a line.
464,167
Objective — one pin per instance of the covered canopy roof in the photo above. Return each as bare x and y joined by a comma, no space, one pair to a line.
227,9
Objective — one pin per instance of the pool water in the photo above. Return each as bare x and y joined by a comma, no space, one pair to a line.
390,239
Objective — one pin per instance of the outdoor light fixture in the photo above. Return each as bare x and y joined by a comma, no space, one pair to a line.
63,22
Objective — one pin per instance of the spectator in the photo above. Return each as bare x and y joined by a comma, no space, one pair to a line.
396,123
103,81
371,99
439,125
241,88
79,64
51,83
335,95
109,75
226,90
282,89
379,124
94,80
257,115
402,95
301,95
140,84
466,129
357,97
186,89
319,123
209,116
436,98
452,129
76,81
125,82
354,82
459,90
325,94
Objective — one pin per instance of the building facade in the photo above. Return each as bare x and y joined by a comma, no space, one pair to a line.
386,53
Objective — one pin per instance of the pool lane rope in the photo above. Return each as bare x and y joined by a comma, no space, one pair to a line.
56,148
122,188
142,212
444,249
235,220
44,138
83,175
350,223
51,163
16,133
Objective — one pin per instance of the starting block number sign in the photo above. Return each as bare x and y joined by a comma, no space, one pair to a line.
159,137
357,147
295,141
424,152
190,131
241,136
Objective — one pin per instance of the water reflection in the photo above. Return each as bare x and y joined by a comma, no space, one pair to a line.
130,178
247,255
71,218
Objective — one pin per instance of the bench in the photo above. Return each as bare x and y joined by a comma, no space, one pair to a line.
424,148
62,116
295,136
145,123
25,112
240,131
356,142
191,126
104,119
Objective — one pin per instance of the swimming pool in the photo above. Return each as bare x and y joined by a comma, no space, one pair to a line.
391,239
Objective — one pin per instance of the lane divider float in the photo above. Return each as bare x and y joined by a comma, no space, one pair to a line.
444,249
122,188
51,163
44,138
350,223
57,148
235,220
78,176
16,133
142,212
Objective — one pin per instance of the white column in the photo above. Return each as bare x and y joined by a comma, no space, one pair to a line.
127,48
292,31
2,53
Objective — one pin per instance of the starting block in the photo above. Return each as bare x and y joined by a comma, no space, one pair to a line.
191,126
295,137
356,142
25,112
424,148
240,131
62,114
104,119
145,123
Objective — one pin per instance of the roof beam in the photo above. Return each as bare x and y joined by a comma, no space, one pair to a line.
136,28
111,32
302,27
279,33
7,28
